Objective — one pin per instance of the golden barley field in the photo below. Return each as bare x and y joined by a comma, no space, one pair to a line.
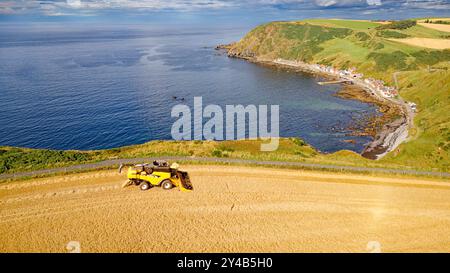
440,27
232,209
425,42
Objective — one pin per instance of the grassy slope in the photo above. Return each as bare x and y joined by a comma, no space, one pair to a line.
431,140
358,44
341,43
424,32
290,149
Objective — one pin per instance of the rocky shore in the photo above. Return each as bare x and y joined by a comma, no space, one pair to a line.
388,131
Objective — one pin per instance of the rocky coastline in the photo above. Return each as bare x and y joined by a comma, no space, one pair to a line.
388,130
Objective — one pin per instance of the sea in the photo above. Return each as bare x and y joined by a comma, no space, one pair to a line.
91,87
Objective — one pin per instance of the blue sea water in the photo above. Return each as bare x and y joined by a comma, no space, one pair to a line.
101,88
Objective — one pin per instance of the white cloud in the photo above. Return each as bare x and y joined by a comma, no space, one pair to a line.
84,6
74,3
326,3
149,4
427,4
374,2
347,3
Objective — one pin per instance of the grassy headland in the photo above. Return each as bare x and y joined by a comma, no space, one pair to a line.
423,76
423,73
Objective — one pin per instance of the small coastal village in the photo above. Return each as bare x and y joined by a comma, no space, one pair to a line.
345,75
395,132
349,75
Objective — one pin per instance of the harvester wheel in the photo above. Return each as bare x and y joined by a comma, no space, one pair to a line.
145,186
166,185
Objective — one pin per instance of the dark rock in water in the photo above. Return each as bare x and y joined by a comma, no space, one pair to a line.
224,46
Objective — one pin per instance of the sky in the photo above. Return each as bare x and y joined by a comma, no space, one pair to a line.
259,10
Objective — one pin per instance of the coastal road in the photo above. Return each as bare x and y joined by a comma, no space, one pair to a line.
116,162
232,209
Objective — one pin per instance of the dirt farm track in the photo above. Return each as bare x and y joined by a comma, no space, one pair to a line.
232,209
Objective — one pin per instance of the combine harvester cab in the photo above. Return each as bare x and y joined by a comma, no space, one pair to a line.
159,173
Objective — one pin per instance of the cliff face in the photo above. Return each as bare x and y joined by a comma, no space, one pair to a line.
292,41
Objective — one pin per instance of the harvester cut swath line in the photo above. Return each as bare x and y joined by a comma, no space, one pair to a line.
69,191
57,180
65,208
82,206
81,203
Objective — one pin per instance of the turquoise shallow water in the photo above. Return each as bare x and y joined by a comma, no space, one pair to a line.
94,89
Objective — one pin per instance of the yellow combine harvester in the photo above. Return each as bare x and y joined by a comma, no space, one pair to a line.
159,173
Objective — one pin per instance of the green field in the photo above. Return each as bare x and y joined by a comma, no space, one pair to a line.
341,43
364,45
351,24
424,32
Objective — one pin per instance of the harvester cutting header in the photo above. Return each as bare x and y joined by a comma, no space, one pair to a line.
159,173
